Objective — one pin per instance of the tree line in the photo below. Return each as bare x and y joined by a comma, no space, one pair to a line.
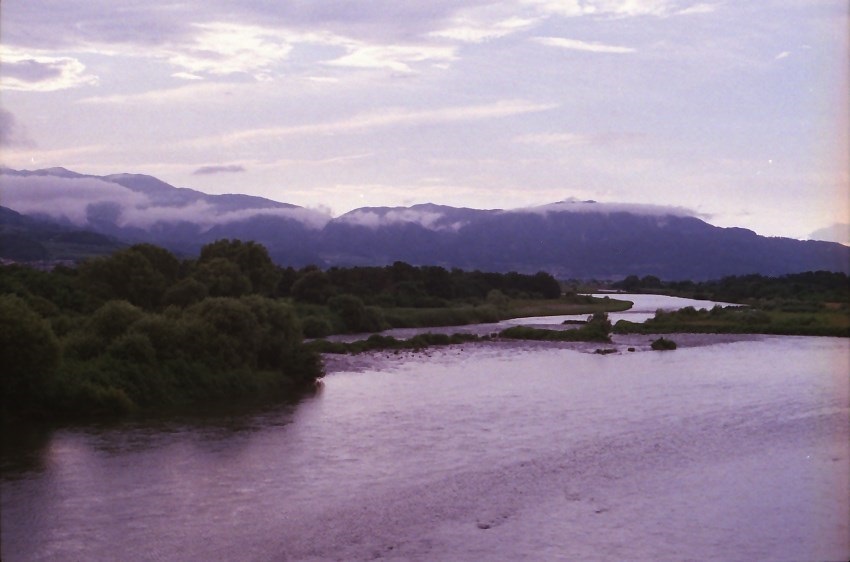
814,287
141,329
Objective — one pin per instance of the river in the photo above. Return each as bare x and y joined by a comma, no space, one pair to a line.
729,448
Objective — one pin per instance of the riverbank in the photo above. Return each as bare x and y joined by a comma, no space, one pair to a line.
622,344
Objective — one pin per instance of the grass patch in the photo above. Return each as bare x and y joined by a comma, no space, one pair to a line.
597,329
377,342
823,321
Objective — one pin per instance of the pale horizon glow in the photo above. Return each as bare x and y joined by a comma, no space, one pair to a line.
736,112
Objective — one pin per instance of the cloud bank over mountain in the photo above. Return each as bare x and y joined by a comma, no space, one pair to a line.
834,233
570,238
590,206
83,201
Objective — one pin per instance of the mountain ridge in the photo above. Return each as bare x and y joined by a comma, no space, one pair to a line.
570,238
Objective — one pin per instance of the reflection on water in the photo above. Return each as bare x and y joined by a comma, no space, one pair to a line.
735,450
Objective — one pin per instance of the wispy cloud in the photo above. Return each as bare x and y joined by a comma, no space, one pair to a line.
554,138
471,29
187,76
701,8
575,139
188,93
24,71
12,133
577,45
397,58
226,48
219,169
379,119
609,8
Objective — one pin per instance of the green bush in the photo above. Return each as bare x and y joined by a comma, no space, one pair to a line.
663,344
316,327
114,318
29,354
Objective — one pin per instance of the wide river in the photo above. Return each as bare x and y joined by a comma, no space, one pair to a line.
729,448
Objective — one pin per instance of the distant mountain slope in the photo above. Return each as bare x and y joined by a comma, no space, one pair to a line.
135,208
26,239
580,239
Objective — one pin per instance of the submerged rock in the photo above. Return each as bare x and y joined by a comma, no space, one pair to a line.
663,344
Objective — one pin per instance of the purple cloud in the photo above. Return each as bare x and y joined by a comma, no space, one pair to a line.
12,133
220,169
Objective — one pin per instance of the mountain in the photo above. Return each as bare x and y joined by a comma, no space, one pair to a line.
27,239
141,208
570,239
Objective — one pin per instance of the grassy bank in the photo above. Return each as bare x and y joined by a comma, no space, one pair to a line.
320,321
811,321
377,342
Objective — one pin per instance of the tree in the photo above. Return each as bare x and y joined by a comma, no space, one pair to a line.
546,285
125,275
222,278
231,331
312,287
113,319
251,258
161,259
185,292
279,334
29,354
354,314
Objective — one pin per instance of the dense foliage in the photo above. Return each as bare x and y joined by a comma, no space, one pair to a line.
818,321
814,303
141,329
404,285
596,329
772,292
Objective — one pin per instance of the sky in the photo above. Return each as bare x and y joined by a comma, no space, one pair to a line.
735,110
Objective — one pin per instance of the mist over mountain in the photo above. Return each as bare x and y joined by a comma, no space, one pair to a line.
570,239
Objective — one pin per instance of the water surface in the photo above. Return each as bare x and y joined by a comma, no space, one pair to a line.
726,450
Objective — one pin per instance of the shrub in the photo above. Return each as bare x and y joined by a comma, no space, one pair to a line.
663,344
114,319
29,353
316,327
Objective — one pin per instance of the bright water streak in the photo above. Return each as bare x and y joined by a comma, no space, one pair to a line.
731,451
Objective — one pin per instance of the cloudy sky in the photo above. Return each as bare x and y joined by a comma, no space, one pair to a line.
737,110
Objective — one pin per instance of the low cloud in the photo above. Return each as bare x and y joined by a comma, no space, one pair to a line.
66,199
835,233
221,169
77,200
432,220
576,206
